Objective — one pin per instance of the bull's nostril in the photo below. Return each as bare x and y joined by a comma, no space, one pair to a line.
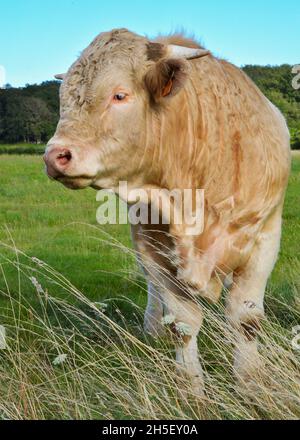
64,157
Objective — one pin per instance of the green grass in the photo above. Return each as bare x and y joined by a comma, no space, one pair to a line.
58,226
54,224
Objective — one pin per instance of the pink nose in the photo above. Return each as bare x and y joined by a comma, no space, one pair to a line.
57,160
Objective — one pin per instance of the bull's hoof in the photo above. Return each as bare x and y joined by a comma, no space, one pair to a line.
190,386
198,388
247,363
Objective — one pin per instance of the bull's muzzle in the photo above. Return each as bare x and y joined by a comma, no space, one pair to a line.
57,161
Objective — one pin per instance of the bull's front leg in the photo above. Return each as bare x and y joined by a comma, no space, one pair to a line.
184,319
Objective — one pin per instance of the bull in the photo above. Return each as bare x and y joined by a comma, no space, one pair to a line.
168,114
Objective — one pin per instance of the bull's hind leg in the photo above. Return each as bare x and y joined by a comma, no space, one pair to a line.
245,305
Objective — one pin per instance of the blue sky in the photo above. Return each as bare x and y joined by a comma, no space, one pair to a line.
39,38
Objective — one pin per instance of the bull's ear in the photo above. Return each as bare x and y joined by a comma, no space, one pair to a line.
165,78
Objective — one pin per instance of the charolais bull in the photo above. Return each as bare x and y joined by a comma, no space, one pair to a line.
168,114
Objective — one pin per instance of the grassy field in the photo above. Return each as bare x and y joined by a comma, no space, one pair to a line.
71,288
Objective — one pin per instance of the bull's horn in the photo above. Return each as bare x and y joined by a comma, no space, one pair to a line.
186,52
60,76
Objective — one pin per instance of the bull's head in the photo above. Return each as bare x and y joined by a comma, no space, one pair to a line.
111,101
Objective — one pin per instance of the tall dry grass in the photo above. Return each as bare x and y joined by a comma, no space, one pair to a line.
70,358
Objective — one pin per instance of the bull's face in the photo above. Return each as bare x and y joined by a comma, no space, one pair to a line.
109,104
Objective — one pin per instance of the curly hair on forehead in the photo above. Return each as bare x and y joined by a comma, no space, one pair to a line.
119,46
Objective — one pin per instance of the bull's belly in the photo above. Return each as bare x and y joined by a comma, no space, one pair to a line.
224,255
189,270
203,278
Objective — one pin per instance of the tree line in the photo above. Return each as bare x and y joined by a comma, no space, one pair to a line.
276,83
30,114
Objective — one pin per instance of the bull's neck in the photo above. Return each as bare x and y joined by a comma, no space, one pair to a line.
179,156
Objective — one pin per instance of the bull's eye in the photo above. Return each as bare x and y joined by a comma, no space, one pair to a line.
120,96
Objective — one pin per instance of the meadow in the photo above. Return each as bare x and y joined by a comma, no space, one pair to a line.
72,300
